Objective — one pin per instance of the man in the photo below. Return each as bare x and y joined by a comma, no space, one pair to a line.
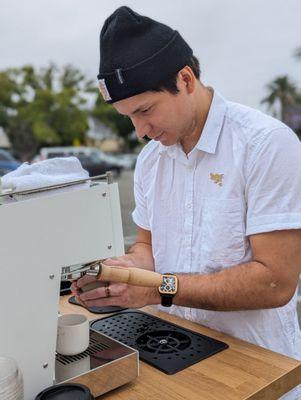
217,192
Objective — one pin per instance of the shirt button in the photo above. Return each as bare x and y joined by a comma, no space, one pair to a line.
189,205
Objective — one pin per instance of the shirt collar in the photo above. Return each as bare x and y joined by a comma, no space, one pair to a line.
211,130
170,150
213,125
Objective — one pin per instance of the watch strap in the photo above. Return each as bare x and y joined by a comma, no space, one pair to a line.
166,300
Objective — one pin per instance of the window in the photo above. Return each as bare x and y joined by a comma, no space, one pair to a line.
5,156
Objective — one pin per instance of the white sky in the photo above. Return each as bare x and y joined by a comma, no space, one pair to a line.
241,44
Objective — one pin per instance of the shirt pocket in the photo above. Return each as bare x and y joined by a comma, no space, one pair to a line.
223,232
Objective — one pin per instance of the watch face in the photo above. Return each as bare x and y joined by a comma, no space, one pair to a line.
169,285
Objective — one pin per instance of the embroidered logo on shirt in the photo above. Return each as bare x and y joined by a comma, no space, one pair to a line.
217,178
104,90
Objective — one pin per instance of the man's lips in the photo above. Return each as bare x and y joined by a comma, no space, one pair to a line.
159,136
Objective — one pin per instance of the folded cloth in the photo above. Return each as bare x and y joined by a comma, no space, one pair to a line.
44,173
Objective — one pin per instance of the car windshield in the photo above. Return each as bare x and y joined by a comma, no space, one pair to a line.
54,155
82,157
6,156
95,157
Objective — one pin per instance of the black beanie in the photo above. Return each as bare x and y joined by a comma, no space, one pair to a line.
136,54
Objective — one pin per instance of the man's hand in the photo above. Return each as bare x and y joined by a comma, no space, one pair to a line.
122,261
120,294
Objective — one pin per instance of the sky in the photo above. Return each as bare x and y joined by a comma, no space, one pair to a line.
241,44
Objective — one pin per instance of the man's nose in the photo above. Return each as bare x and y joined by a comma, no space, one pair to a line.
141,127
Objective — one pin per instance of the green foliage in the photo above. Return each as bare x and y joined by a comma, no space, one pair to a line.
8,87
284,91
20,134
119,124
40,108
46,108
297,53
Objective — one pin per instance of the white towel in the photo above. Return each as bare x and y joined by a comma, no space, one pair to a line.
44,173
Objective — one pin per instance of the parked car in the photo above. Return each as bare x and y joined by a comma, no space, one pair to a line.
7,162
96,166
128,160
3,172
90,158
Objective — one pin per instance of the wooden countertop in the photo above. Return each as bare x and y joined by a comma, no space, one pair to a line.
243,371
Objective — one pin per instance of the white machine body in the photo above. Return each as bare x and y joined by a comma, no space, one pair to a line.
39,236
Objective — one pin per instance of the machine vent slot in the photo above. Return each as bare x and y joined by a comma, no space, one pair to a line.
94,348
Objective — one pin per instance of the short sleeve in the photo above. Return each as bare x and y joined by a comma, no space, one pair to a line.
273,183
139,214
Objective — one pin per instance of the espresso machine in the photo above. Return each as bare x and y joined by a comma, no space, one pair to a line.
45,234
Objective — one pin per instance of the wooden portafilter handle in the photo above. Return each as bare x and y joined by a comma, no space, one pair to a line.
131,275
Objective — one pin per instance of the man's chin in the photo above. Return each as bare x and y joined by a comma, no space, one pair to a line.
167,141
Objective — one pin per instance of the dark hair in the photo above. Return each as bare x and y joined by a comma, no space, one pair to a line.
170,85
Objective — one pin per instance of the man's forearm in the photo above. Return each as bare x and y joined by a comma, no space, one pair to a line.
242,287
141,255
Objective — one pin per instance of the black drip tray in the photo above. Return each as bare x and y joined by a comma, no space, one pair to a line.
97,310
162,344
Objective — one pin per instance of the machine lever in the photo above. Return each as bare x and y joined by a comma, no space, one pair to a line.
132,276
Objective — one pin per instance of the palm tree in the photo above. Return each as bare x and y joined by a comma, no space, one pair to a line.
297,53
283,91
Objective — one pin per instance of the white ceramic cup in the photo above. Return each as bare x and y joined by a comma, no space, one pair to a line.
73,334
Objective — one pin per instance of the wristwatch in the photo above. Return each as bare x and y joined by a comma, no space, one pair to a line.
168,289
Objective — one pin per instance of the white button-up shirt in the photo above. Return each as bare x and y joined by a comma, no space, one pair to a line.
243,177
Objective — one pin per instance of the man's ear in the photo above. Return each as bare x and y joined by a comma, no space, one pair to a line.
187,77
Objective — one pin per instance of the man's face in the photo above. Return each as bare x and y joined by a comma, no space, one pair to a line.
161,116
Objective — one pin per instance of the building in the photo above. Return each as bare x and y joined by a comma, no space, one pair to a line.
101,136
4,142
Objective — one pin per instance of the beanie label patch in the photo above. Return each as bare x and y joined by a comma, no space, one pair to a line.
119,76
104,90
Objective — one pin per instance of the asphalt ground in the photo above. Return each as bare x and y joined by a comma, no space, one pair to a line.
127,204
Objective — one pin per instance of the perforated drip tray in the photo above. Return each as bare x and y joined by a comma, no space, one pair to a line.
161,344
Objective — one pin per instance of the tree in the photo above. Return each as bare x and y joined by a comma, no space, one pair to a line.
48,108
8,88
297,53
284,92
43,108
119,124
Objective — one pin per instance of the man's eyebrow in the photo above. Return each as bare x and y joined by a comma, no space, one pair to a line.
140,108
